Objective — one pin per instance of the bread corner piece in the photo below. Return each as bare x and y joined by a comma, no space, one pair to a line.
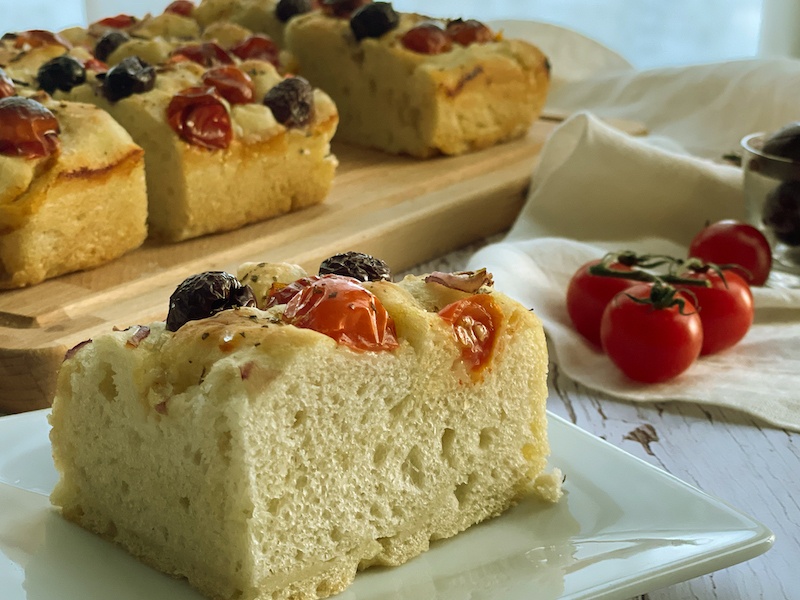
405,102
261,461
76,209
268,169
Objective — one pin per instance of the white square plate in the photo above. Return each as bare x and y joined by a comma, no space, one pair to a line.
623,528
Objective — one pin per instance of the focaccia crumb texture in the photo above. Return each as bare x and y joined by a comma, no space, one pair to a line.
263,461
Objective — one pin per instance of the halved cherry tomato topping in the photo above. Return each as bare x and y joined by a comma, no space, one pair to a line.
258,47
469,32
199,116
36,38
427,38
208,54
7,87
96,65
232,83
281,293
183,8
475,321
27,128
342,309
118,22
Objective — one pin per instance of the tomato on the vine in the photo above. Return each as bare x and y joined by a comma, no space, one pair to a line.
651,336
588,295
725,308
731,242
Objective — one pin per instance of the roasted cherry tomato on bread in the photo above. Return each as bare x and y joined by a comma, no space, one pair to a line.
345,311
427,38
120,21
651,332
588,295
184,8
731,242
725,308
27,128
199,116
475,320
231,83
257,47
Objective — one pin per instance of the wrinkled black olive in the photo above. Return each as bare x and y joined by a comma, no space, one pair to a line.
357,265
131,76
785,142
781,212
204,295
286,9
108,43
61,73
291,102
373,20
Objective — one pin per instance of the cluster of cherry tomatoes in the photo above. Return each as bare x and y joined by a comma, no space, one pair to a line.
654,315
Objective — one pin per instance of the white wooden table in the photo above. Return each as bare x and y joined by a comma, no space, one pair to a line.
752,466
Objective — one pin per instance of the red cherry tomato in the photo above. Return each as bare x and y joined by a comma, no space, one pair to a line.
258,47
36,38
469,32
731,242
7,87
427,38
647,343
345,311
281,293
93,64
232,83
27,128
475,321
118,22
725,308
208,54
183,8
588,295
198,116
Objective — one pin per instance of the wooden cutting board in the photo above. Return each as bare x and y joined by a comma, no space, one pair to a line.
400,209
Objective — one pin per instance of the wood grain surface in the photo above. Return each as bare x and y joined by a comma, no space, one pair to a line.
404,210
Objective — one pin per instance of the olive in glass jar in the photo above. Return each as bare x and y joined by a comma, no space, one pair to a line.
131,76
781,212
61,73
373,20
204,295
357,265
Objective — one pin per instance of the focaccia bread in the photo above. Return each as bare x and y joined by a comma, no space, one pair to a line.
413,101
225,145
72,189
342,424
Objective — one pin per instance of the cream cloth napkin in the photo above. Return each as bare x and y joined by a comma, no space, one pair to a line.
598,189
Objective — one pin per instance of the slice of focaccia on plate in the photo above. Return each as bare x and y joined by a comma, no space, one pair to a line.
343,425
